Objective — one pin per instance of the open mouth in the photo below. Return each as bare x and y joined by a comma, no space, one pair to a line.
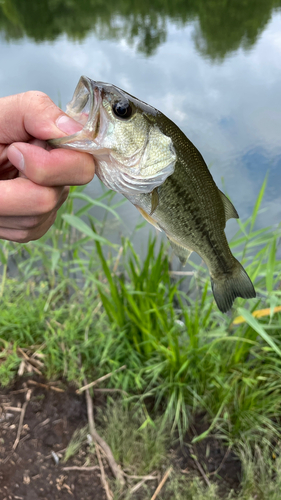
83,108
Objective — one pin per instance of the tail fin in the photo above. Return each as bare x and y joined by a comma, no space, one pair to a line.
236,284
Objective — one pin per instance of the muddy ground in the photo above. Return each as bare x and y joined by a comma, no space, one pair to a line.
30,472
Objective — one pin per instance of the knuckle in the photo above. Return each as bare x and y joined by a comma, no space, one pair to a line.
23,236
87,170
32,222
26,235
48,200
38,112
43,100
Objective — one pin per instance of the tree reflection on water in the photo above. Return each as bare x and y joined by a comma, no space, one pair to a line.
221,27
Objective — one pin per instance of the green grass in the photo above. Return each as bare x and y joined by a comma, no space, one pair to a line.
77,440
88,307
139,446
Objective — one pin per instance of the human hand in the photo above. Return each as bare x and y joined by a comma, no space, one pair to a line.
33,177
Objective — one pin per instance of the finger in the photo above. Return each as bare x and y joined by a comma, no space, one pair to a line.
25,235
52,168
21,197
30,222
33,114
23,222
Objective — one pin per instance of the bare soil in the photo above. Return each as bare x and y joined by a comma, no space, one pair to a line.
210,459
51,417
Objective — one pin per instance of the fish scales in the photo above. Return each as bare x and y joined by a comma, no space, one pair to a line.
191,225
142,154
191,187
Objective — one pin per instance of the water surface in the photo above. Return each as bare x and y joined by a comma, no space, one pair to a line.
212,67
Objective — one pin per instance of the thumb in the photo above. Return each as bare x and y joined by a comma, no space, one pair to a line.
33,114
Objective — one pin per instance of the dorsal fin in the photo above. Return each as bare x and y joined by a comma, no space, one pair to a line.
229,209
181,252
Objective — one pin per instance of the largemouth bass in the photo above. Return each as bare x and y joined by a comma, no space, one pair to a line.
142,154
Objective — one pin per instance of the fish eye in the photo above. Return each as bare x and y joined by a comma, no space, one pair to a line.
122,109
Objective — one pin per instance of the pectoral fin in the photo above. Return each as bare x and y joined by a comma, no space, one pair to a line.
229,210
148,218
154,200
181,252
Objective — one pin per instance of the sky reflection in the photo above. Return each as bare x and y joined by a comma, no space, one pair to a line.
231,110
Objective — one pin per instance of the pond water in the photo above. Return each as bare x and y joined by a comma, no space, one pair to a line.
213,67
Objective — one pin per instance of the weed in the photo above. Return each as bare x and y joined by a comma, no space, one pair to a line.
89,312
137,443
77,440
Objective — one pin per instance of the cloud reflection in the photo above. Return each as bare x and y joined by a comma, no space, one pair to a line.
231,110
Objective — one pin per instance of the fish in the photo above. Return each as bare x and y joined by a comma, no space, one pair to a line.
142,154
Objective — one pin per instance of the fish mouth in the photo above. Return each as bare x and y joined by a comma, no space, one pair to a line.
84,108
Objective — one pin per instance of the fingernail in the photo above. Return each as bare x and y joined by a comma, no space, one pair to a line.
16,158
68,125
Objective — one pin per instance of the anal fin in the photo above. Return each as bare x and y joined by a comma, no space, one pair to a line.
181,252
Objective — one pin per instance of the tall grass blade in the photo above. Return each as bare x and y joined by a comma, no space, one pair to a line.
258,203
79,224
257,327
